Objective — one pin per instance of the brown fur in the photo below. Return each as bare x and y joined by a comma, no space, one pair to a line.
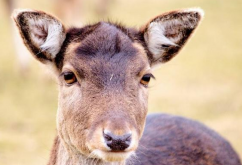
176,140
54,152
109,61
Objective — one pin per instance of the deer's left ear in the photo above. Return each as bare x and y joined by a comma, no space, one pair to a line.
166,34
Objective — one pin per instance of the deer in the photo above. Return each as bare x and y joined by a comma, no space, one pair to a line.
103,72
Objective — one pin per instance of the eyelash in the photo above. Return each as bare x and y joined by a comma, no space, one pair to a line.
146,79
70,78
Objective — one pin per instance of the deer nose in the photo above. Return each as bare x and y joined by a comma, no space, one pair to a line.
116,142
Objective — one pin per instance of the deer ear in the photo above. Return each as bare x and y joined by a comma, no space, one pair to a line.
42,34
166,34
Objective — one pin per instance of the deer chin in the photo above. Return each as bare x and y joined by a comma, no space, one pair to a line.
109,156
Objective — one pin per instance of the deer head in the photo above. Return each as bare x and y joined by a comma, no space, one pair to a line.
103,71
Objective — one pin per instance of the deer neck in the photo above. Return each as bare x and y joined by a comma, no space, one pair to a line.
63,155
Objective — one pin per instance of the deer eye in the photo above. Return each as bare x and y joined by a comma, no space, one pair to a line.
146,79
69,77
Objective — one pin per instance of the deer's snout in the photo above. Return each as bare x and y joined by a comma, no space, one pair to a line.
117,142
114,139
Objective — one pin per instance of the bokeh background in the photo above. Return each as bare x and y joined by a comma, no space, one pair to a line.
204,82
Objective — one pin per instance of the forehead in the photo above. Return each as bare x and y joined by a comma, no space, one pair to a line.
105,46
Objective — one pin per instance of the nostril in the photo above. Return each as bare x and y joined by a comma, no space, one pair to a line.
108,138
128,138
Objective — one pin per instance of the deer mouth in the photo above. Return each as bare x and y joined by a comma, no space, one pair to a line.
112,156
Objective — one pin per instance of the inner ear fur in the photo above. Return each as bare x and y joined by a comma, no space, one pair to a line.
166,34
42,34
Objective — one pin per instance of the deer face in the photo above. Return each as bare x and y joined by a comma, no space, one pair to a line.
103,71
103,99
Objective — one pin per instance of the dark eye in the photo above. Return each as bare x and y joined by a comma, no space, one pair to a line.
146,79
69,77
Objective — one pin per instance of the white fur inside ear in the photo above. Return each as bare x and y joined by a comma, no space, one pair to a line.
195,10
47,34
156,38
169,31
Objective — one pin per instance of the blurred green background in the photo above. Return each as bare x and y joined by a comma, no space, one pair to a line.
204,82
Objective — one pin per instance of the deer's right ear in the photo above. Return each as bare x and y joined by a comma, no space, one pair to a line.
42,34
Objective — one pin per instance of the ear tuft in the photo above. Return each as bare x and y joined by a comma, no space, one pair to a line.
42,34
17,12
166,34
195,10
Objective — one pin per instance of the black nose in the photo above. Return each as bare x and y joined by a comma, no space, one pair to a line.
117,143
